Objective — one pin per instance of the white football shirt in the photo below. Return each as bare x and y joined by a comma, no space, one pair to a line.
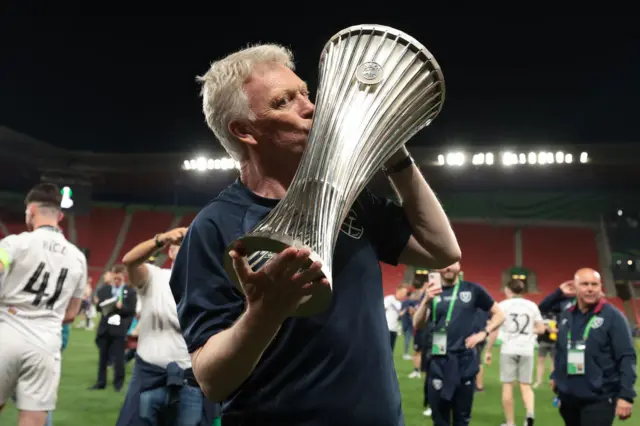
160,339
43,271
517,332
392,308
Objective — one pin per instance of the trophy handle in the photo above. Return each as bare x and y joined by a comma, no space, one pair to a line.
316,303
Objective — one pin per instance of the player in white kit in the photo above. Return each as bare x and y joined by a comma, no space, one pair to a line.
160,341
523,322
42,280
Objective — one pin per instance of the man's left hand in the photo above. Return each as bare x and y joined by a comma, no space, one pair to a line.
475,339
623,409
118,305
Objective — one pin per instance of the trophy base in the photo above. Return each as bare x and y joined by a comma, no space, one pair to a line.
313,304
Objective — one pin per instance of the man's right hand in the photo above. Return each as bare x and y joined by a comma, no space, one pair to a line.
175,236
568,288
275,291
433,289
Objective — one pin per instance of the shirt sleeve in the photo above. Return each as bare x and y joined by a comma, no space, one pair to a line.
387,227
207,300
8,247
483,300
82,283
625,355
537,314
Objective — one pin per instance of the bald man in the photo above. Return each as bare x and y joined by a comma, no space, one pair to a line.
594,366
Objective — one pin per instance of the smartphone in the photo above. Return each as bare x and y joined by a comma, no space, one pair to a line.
435,279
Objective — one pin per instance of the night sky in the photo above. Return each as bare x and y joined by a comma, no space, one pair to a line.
128,84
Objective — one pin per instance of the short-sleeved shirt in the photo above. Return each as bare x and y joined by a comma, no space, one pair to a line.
43,271
392,307
160,339
518,330
318,369
471,297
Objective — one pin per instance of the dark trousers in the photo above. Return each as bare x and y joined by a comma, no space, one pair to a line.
111,346
459,408
425,360
580,413
393,335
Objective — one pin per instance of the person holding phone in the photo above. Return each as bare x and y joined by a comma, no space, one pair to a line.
451,307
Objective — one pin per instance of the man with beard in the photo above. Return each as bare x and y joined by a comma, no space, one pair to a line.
454,364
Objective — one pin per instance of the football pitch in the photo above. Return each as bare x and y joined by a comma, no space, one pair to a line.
78,406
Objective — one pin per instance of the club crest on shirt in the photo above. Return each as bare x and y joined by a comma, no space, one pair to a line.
597,322
437,384
465,296
351,227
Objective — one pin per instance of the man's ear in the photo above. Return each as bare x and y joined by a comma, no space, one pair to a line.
243,132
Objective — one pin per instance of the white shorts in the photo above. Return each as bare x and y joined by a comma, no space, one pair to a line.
28,372
516,368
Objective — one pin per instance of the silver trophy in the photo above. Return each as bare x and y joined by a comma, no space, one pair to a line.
377,88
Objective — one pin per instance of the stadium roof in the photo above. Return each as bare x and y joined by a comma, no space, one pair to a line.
26,160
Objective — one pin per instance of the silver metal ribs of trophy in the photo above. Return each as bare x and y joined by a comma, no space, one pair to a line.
377,88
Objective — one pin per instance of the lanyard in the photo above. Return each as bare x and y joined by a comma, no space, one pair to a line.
454,296
120,292
587,329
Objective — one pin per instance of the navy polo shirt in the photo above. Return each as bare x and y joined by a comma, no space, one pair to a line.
480,320
471,298
318,370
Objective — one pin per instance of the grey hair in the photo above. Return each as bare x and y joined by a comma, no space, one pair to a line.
223,97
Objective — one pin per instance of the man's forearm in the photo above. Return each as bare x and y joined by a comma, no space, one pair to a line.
140,253
420,317
496,320
491,339
229,357
429,223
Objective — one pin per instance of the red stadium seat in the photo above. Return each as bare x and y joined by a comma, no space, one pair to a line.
555,254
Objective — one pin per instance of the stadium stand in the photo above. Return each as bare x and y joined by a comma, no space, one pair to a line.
487,251
110,230
556,253
524,216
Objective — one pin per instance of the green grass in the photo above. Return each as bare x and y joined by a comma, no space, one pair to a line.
77,406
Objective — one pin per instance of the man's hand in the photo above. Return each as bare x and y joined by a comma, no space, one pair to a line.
275,291
175,236
487,357
433,289
623,409
475,339
568,288
118,305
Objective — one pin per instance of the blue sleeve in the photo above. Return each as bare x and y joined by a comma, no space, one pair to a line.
66,330
625,355
388,227
483,300
552,302
207,300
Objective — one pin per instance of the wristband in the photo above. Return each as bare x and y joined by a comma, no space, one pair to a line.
399,166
